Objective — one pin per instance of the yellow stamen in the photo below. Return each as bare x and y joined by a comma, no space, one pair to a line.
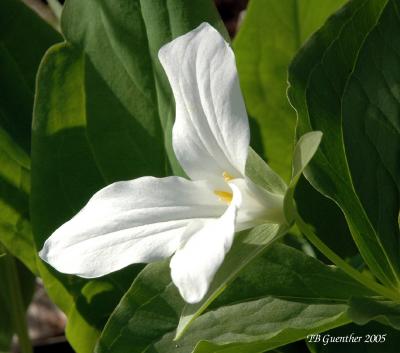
227,176
224,196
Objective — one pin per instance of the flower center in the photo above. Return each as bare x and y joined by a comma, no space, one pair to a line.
227,176
225,196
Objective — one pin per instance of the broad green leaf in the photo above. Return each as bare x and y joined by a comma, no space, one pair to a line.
147,316
343,84
363,310
285,272
327,220
264,324
131,34
268,39
148,310
120,101
23,40
65,174
285,279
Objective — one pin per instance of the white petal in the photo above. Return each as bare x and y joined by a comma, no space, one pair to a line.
203,248
129,222
258,205
211,132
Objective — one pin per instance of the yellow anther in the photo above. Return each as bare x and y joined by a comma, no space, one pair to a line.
227,176
224,196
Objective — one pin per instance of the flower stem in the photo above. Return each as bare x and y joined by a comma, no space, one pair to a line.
365,280
16,304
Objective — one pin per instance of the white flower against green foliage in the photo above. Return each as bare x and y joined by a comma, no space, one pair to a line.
148,219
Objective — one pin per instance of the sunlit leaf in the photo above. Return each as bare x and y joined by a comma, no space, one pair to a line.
65,174
271,33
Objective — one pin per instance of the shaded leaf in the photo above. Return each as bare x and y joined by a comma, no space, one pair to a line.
363,310
24,283
20,54
329,77
327,220
132,33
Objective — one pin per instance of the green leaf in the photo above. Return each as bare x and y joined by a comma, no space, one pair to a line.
65,173
264,324
20,54
340,85
15,228
327,220
131,34
363,310
148,310
23,40
285,272
268,39
121,104
283,281
287,281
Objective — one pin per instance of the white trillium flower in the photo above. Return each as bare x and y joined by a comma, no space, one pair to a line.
194,221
